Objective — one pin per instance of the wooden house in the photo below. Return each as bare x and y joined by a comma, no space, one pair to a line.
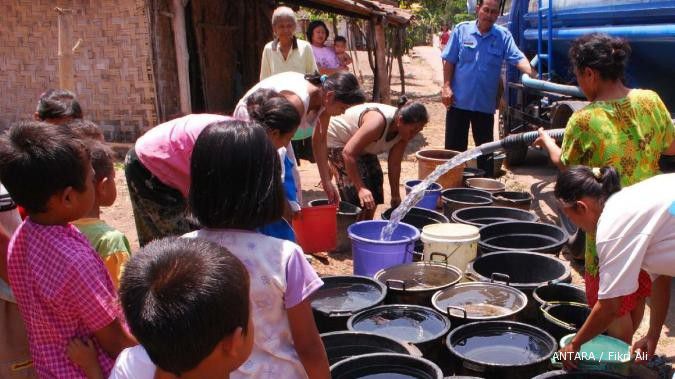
135,63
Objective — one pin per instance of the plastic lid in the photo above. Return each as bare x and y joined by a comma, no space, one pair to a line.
452,230
609,348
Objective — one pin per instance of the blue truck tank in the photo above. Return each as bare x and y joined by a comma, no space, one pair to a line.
649,26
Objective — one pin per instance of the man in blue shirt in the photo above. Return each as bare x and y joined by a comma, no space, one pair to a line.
472,63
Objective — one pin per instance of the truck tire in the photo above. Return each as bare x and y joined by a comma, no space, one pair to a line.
563,111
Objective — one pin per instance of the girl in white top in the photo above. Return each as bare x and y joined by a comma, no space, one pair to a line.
354,140
635,229
317,98
235,189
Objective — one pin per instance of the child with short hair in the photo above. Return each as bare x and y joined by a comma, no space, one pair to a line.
57,106
187,302
235,189
60,284
86,129
82,128
110,244
340,47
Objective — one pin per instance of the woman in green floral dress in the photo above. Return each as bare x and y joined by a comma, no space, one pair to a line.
625,128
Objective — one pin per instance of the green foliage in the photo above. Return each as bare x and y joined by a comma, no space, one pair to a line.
319,15
430,15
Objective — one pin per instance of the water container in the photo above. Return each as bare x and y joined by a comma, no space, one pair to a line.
347,213
427,160
431,195
370,254
458,242
316,228
486,184
603,353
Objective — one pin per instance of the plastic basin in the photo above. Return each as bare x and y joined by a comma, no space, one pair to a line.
371,254
316,228
431,195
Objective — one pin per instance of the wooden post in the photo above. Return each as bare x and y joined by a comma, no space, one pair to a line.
182,55
382,72
400,38
371,47
65,49
401,73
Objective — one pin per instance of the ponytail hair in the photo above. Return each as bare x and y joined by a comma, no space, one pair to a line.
272,110
411,112
580,181
343,84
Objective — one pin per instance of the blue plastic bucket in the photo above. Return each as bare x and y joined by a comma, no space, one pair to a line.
431,195
370,254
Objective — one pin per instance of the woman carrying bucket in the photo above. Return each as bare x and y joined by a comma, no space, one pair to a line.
356,138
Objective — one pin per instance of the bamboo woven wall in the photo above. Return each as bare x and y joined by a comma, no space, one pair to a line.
113,66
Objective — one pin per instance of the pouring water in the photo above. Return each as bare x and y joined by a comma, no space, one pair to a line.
417,192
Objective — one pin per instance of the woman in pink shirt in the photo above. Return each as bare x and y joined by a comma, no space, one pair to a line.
325,57
157,168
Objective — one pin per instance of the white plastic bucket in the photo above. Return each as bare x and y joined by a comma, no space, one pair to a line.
457,242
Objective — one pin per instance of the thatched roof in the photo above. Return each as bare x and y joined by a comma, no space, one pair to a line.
365,9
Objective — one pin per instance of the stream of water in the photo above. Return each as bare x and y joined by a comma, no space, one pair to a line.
417,192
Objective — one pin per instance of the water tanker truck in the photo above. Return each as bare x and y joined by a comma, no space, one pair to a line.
543,30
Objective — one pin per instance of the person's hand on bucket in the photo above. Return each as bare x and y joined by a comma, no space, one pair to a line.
366,198
646,344
331,192
568,354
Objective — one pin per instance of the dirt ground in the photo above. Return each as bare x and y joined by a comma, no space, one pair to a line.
422,80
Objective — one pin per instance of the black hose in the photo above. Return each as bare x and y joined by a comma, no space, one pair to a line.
519,140
526,139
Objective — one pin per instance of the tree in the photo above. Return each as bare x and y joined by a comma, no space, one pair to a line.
430,15
434,13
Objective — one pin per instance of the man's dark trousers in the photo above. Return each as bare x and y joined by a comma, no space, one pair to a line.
457,123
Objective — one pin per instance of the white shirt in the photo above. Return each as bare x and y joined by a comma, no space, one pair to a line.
9,220
636,231
289,82
284,82
281,278
299,59
133,363
342,128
